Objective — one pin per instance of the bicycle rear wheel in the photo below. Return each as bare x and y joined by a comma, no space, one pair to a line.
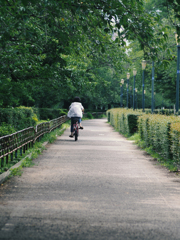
76,135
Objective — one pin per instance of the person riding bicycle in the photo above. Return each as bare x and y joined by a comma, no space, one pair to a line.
76,110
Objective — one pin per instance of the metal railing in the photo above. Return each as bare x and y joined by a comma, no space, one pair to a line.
22,140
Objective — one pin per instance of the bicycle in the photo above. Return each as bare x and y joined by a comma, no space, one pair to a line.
75,128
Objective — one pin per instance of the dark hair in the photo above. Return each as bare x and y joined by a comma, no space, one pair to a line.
77,99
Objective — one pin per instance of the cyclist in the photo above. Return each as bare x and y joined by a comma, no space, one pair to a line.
76,110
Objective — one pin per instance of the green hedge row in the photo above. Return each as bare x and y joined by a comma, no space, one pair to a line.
125,121
18,118
15,119
175,141
160,132
155,131
166,112
49,114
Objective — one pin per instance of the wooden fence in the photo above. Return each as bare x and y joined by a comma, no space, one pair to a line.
22,140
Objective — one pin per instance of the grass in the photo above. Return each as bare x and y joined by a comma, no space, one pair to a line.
102,116
27,162
168,163
34,152
135,137
16,172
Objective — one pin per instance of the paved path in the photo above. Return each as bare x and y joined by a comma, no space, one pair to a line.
101,187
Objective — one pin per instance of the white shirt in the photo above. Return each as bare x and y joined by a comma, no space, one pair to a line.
75,110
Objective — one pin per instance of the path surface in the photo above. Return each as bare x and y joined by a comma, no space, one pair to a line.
101,187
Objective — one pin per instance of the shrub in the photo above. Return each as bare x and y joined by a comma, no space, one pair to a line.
49,113
143,128
19,118
132,123
175,141
158,131
125,121
154,130
89,115
6,129
166,112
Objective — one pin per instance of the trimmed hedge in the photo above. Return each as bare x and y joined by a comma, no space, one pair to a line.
161,132
155,131
125,121
166,112
175,141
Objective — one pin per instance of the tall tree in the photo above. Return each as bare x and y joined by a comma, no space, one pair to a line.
35,37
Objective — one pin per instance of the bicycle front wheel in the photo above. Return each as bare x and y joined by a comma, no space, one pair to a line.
76,135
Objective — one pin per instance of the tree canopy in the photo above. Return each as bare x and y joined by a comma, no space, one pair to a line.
52,50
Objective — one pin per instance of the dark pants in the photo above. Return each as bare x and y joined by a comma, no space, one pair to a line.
73,120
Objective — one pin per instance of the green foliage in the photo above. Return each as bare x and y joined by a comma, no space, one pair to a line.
135,137
166,112
16,171
164,55
125,121
158,134
143,128
53,50
17,118
27,162
102,116
32,153
52,136
155,132
163,161
132,122
6,129
89,115
48,113
175,140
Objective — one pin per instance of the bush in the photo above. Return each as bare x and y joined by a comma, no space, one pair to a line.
6,129
15,119
175,141
166,112
19,118
132,122
154,130
158,131
125,121
89,115
49,113
143,128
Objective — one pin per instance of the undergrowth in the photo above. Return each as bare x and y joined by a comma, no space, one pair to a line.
168,163
16,172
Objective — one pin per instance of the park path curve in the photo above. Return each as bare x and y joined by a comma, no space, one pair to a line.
101,187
